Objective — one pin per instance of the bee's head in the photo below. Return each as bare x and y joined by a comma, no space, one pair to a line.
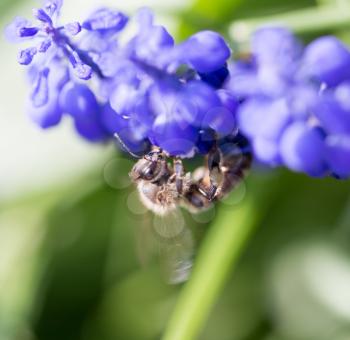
150,168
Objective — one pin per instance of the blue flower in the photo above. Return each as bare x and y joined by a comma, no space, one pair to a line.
302,149
206,51
124,127
105,21
48,37
337,154
80,103
296,108
276,48
289,103
43,103
150,41
328,61
146,89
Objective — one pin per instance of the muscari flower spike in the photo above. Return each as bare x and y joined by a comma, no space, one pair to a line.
291,102
296,108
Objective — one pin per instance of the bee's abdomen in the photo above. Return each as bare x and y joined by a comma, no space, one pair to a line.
158,198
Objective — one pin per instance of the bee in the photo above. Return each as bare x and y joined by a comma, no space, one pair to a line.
164,185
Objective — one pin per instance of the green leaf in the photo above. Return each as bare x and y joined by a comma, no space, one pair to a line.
7,5
22,231
325,18
76,248
206,14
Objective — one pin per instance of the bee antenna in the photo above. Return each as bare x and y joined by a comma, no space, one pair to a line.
123,145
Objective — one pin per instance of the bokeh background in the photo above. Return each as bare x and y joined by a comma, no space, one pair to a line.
73,250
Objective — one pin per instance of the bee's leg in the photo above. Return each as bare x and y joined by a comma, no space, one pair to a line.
210,183
179,172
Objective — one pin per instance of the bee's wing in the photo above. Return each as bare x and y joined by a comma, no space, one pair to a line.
145,241
175,245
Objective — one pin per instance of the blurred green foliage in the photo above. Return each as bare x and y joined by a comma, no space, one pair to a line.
218,14
70,266
5,5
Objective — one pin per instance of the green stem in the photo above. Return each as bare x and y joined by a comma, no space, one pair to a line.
217,258
330,16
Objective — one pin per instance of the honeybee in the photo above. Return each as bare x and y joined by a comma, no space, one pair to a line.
164,186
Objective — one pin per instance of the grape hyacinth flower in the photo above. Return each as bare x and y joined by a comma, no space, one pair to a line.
296,108
115,75
145,88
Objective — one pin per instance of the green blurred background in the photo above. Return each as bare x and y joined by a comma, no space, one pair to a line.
74,262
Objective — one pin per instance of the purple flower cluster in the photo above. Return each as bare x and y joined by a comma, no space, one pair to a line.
127,77
296,102
118,76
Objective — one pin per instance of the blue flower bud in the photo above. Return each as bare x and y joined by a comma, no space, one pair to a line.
44,45
264,118
174,135
302,149
83,71
27,31
104,20
228,100
242,81
125,97
115,123
206,51
90,128
73,28
217,78
40,94
277,47
338,155
267,151
199,99
332,116
222,118
79,101
46,115
25,57
206,140
112,121
53,6
342,95
41,15
12,31
328,60
43,107
59,75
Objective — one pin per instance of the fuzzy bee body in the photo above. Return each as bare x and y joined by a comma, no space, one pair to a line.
164,187
159,199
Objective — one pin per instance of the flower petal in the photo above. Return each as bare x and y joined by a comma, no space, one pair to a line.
207,51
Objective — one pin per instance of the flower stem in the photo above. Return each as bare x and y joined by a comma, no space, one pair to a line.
217,257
